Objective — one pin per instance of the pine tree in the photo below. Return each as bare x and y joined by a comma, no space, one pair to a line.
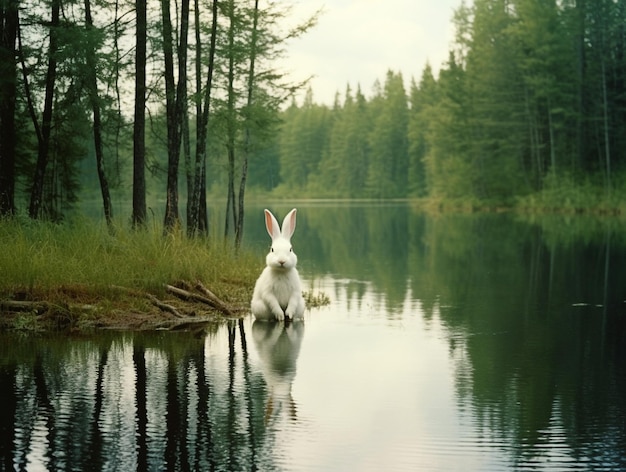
304,140
352,171
422,99
388,164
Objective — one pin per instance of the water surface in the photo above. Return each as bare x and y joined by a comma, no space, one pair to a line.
454,342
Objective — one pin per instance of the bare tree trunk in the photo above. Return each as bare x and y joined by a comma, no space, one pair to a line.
203,214
242,190
139,125
97,122
189,169
34,210
186,146
230,198
119,122
198,220
230,126
9,19
171,205
193,170
246,145
174,105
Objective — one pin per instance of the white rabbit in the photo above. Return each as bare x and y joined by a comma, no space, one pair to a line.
278,290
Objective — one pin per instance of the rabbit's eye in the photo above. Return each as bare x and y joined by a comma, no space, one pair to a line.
291,249
272,249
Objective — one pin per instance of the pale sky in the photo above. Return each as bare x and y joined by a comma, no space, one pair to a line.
357,41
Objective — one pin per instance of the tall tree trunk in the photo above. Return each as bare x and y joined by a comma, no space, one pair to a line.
174,105
186,142
246,145
118,95
171,205
97,122
9,20
182,103
230,125
193,171
230,197
182,115
36,195
203,214
139,125
198,220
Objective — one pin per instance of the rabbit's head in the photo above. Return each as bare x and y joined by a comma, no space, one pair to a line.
281,255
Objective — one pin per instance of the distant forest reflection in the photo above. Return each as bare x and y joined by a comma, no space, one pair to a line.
535,310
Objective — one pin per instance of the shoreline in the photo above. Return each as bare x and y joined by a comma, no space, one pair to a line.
80,309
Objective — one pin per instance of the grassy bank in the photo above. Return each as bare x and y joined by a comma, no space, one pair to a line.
80,274
563,194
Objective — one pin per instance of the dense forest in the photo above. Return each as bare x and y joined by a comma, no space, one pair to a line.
530,106
171,102
130,98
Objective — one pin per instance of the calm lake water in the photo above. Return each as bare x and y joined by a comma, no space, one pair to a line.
452,342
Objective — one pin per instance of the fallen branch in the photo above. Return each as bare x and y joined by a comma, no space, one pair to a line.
190,296
163,306
15,305
211,296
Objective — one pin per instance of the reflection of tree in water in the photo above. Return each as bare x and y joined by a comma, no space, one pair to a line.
538,363
360,242
8,397
532,367
149,401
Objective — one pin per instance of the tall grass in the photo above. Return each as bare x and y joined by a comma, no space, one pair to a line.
569,193
44,256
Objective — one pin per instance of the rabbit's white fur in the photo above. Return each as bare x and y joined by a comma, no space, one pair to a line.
278,290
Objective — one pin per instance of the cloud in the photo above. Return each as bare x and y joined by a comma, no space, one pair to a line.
356,42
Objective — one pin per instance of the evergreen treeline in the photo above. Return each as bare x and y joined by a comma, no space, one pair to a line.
531,103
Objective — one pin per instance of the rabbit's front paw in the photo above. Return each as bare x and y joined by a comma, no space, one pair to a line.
280,316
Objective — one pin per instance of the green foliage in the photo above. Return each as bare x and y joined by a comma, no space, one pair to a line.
575,193
303,142
388,163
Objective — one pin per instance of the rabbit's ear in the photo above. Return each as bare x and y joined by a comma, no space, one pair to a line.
289,224
272,225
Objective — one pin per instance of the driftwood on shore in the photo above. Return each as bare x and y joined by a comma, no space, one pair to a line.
163,306
208,298
23,305
192,295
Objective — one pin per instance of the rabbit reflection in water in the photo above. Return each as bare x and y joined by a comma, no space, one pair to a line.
278,346
278,290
